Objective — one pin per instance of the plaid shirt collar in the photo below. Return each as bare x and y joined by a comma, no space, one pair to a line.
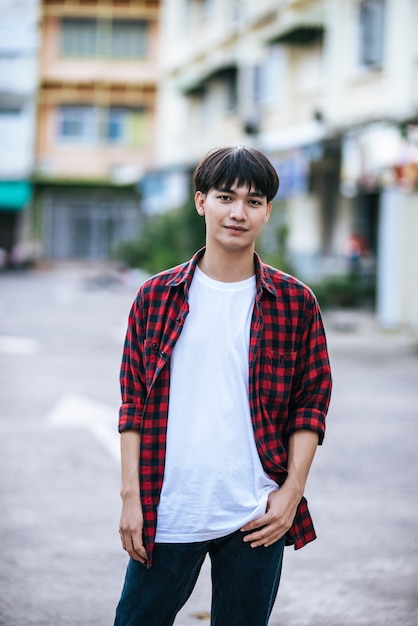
186,271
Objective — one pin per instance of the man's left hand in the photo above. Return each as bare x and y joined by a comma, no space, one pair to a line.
281,510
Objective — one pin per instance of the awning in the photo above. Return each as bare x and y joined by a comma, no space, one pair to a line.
192,82
302,29
14,194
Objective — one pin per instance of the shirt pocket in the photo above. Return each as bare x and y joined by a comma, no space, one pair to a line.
276,377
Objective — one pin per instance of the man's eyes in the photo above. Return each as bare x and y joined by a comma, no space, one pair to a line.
226,198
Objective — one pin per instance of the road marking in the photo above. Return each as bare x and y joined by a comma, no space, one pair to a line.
18,345
74,411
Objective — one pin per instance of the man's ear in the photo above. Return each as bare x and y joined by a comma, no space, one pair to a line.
199,200
268,212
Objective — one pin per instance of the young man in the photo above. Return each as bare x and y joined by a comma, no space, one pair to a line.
225,387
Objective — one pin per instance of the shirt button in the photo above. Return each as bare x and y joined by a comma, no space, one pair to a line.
155,346
162,354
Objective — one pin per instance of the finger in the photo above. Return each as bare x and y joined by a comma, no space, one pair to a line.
122,539
265,541
258,535
138,554
139,550
127,543
133,546
265,537
256,524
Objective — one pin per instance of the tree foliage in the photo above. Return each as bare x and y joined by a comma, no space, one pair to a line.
164,240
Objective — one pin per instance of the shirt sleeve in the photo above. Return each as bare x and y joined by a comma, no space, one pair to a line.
132,377
311,391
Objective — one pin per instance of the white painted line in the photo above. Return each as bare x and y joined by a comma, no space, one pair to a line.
19,345
74,411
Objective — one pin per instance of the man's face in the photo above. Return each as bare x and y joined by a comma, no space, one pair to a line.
234,217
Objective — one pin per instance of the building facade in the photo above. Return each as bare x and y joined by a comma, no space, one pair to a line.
329,90
95,122
18,85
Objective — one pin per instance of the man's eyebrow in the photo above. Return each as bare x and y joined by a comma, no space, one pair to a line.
252,194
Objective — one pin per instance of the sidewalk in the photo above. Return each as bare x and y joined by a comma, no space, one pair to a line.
357,329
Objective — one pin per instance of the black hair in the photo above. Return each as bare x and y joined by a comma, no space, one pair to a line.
223,167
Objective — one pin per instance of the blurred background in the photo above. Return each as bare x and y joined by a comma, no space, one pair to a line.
106,106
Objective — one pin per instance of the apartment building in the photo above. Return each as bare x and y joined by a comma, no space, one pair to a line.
329,89
18,71
95,122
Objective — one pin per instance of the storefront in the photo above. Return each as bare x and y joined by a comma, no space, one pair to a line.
14,199
85,222
380,175
308,164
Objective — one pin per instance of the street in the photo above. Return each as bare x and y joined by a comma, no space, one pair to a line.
61,334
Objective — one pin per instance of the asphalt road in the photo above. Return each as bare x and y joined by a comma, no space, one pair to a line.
61,563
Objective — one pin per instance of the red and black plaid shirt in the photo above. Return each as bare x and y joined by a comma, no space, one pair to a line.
289,376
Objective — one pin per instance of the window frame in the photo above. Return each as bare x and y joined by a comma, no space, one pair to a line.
117,39
96,123
371,33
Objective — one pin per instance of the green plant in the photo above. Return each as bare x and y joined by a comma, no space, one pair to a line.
344,291
273,242
164,240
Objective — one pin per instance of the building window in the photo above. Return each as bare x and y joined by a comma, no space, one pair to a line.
77,124
117,39
79,38
125,126
129,40
270,80
200,9
228,78
371,23
122,126
237,12
13,131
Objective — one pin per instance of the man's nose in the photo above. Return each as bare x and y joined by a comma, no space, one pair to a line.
237,210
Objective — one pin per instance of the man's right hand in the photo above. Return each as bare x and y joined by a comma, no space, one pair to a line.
131,528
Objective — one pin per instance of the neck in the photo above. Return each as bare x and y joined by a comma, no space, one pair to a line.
228,268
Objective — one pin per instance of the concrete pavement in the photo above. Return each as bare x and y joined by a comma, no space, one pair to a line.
60,344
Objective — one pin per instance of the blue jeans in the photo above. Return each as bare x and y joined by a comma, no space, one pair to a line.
245,582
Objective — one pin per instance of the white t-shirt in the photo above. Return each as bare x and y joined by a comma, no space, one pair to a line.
214,482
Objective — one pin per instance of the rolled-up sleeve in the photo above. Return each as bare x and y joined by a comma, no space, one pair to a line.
132,382
312,385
